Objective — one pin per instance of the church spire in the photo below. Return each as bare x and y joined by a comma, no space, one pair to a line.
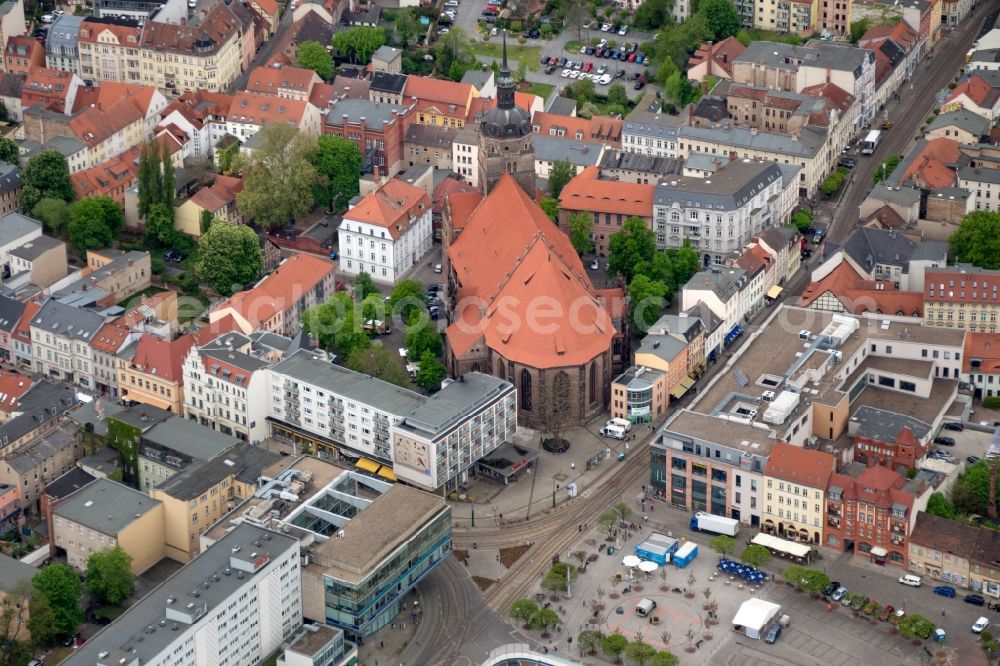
505,86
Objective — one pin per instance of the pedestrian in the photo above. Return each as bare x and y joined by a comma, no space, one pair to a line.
381,644
572,465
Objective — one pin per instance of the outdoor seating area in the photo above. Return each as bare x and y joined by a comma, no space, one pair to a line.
748,573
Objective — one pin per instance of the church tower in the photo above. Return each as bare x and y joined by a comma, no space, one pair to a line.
505,137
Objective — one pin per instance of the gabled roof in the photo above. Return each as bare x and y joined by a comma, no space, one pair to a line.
858,295
933,164
66,320
119,171
983,349
220,194
447,97
275,79
164,359
805,467
22,331
587,192
599,128
93,125
296,275
259,109
868,247
978,90
445,188
205,38
12,388
722,54
886,217
395,206
963,119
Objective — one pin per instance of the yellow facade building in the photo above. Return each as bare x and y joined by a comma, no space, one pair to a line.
795,482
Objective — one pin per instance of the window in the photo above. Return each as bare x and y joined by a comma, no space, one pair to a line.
525,390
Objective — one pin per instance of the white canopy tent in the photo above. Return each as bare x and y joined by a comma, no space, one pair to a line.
754,617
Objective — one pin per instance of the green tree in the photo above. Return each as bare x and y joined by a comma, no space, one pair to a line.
53,213
229,256
977,240
664,658
42,621
149,177
407,299
456,71
582,91
159,226
639,653
590,640
551,208
454,46
407,27
168,183
685,262
431,373
545,618
886,168
359,43
756,555
95,222
364,286
722,544
422,339
46,175
808,579
379,361
915,625
580,228
338,164
312,55
631,247
206,221
337,324
556,577
13,619
560,174
617,95
652,14
802,220
938,505
859,28
59,587
646,298
723,19
8,151
831,185
278,177
109,576
613,645
523,610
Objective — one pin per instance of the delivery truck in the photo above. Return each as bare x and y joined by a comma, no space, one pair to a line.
706,522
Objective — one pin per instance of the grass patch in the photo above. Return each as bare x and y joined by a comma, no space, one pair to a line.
134,298
529,55
543,90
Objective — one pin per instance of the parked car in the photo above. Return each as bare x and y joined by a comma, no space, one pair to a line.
974,599
433,287
602,69
595,265
980,625
945,591
954,426
847,162
944,441
589,66
805,254
839,593
910,579
972,460
639,85
437,268
550,69
565,73
623,31
562,62
773,635
173,256
333,255
620,73
831,588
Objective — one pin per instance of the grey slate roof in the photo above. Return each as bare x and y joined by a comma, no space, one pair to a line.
727,189
67,145
986,55
10,313
869,246
388,82
431,135
902,196
884,425
36,247
653,125
815,54
562,106
66,320
355,109
14,226
638,378
40,452
724,282
477,77
665,347
43,402
187,438
661,166
387,53
61,41
963,119
11,85
931,251
577,153
10,177
709,319
439,412
246,461
808,143
977,175
222,348
14,573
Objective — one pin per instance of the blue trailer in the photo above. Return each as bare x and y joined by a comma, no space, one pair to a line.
685,554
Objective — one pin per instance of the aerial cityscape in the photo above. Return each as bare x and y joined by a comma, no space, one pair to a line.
499,332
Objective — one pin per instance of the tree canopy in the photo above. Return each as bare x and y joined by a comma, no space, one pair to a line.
53,213
46,175
378,361
278,176
338,165
646,300
977,239
58,587
756,555
95,222
722,18
652,14
561,173
432,372
312,55
9,152
109,576
336,324
614,644
630,247
229,256
580,228
358,43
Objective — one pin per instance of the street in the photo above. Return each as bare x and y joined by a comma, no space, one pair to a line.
915,102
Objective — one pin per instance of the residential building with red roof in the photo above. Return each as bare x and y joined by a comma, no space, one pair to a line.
150,101
845,290
931,164
109,49
21,53
12,387
277,302
201,115
374,126
440,102
598,129
714,59
795,483
608,202
218,199
270,10
52,89
976,93
955,553
870,512
445,188
387,233
21,350
962,296
112,178
283,81
508,260
250,111
981,363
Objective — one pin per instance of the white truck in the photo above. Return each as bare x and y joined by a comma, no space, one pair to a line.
613,431
871,142
707,522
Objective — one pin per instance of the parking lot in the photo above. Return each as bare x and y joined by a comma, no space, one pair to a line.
968,442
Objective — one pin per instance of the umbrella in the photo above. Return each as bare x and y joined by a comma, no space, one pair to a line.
648,567
630,561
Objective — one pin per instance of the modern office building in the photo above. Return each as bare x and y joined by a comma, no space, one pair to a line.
234,604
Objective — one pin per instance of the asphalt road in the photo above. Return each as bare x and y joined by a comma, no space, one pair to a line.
915,103
264,54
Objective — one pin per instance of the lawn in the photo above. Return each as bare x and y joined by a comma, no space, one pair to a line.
543,90
529,55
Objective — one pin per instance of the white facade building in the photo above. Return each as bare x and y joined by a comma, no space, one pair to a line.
60,342
387,233
651,134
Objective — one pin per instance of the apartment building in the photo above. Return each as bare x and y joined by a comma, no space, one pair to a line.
41,260
870,512
21,54
238,602
62,43
250,111
285,81
15,593
21,352
439,101
60,341
795,16
981,366
955,553
886,438
168,446
39,460
225,382
11,311
639,394
378,129
718,215
52,89
387,233
276,303
608,202
109,48
963,297
104,514
983,184
651,134
795,483
430,443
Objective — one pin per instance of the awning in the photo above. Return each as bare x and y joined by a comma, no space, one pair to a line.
774,291
733,333
682,387
368,465
387,473
878,551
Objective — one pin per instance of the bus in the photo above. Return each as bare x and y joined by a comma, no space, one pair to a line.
870,143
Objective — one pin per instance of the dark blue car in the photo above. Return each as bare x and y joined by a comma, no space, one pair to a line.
945,591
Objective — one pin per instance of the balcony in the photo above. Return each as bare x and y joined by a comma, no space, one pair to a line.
833,521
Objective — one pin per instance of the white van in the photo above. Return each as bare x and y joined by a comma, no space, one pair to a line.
645,607
911,580
614,431
624,424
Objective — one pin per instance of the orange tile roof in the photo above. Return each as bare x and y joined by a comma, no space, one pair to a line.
933,166
602,129
110,93
259,109
901,33
462,205
219,25
722,53
221,193
805,467
92,32
510,254
321,95
985,348
587,192
937,287
281,289
839,97
446,187
110,337
12,387
272,80
978,91
859,295
270,7
93,125
481,105
48,84
22,46
395,206
120,171
156,356
22,331
449,97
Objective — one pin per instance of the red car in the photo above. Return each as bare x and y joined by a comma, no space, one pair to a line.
492,10
631,57
589,66
554,60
